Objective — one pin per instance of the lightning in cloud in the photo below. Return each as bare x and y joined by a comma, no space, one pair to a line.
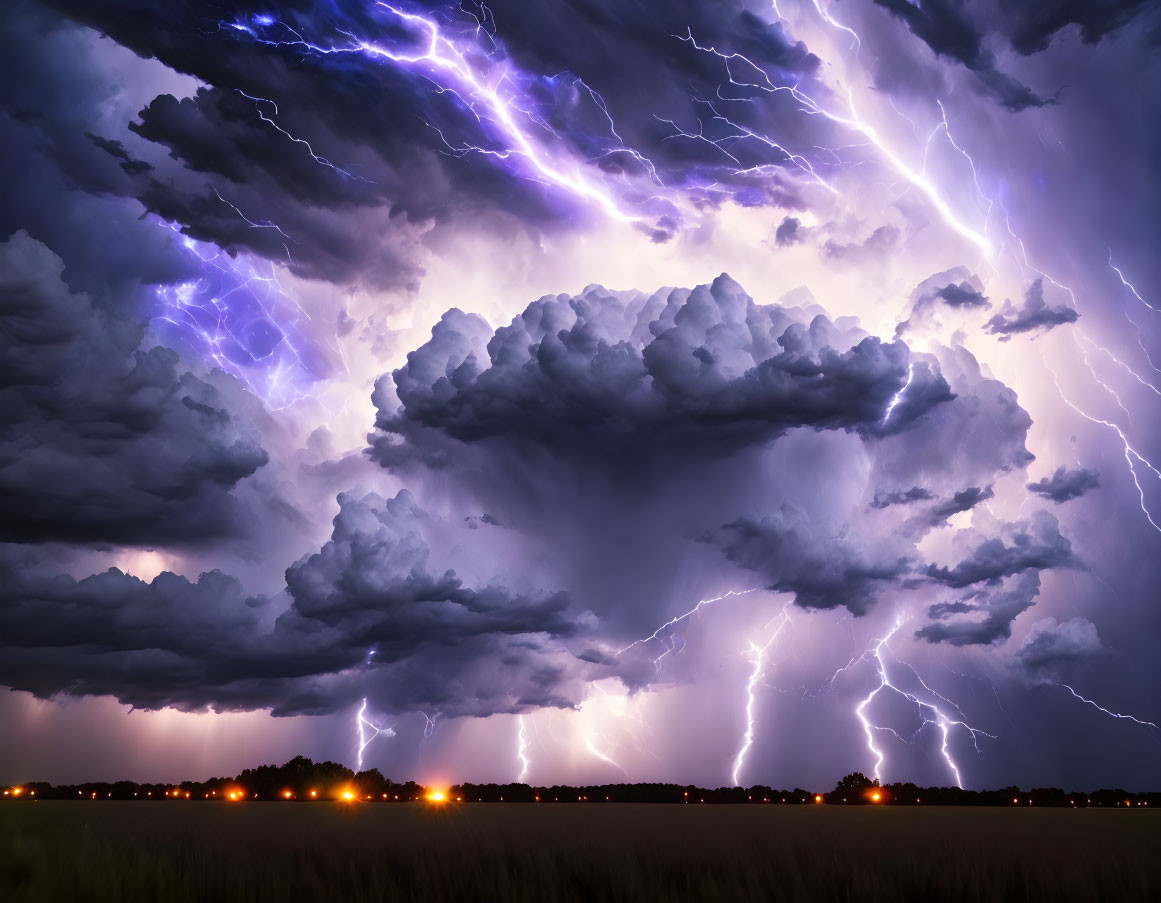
898,397
489,89
322,161
238,313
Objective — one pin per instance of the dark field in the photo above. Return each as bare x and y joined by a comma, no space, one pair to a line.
110,851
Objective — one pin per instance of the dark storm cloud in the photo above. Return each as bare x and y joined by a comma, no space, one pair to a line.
1034,314
1031,24
963,294
789,232
166,642
964,500
368,617
885,499
944,26
104,442
391,129
1035,543
1052,649
678,372
984,617
62,182
1065,485
798,555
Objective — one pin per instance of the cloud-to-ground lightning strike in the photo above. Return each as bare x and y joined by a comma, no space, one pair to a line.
491,94
1111,714
521,749
363,725
757,655
929,712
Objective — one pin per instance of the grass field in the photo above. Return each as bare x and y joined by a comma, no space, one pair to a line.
110,851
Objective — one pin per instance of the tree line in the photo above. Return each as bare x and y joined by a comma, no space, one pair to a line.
300,779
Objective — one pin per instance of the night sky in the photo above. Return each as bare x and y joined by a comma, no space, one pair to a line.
582,390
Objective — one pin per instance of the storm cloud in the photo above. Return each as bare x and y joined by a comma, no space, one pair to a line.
1065,485
105,441
1034,314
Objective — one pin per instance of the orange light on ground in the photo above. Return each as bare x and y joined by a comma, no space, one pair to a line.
314,794
875,797
818,797
348,795
437,796
187,794
16,791
286,794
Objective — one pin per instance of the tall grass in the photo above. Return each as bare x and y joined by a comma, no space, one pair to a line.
109,851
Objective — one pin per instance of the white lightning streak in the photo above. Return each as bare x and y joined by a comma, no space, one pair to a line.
362,723
522,750
757,657
1106,711
899,395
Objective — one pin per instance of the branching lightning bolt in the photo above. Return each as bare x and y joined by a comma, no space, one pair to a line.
929,712
362,725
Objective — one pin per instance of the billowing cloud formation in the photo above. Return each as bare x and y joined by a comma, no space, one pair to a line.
617,373
428,640
1052,648
165,642
1034,314
1036,543
984,616
104,441
798,555
367,617
1065,485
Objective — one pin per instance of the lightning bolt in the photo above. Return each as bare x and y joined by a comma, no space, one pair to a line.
488,91
664,634
1131,454
894,403
1111,714
322,161
362,725
757,658
521,750
930,712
